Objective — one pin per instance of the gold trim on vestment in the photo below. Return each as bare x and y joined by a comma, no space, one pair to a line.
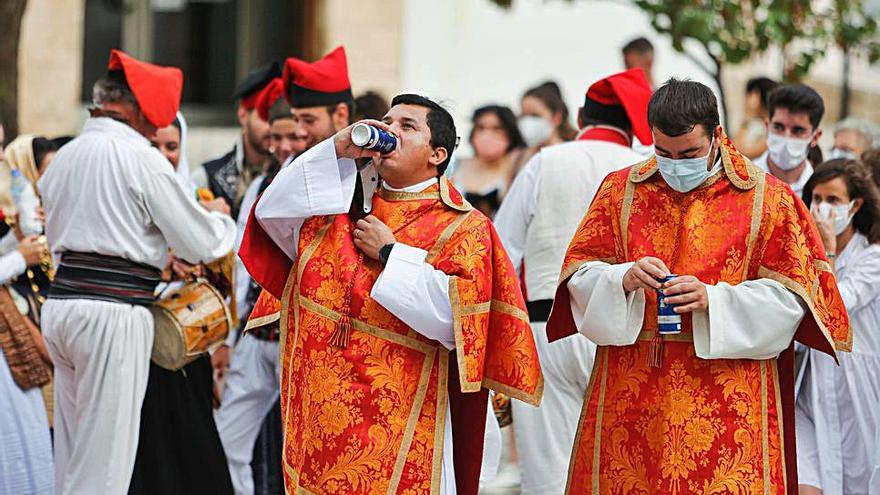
407,196
532,399
597,443
444,238
648,336
440,420
601,350
263,320
510,310
455,302
412,422
476,309
573,266
801,291
757,217
293,278
765,432
625,214
447,199
774,367
735,179
823,265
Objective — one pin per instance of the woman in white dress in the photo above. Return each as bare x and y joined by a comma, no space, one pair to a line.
838,408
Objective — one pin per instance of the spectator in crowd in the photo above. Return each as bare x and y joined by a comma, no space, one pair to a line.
853,136
871,159
793,132
499,151
544,117
370,105
837,408
751,138
640,53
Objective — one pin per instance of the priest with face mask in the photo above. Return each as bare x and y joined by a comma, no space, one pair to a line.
793,133
696,390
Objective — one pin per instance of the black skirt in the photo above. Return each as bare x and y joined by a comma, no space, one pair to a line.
179,451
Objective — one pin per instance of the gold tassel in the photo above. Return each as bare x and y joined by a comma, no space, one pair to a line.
655,351
340,336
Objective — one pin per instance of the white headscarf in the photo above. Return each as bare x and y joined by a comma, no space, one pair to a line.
183,173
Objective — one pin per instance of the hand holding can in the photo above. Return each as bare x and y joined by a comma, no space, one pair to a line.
373,138
668,321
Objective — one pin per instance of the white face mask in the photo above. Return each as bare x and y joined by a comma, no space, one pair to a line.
841,215
534,130
787,153
839,153
686,174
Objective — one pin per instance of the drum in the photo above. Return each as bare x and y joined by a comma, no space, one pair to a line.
189,322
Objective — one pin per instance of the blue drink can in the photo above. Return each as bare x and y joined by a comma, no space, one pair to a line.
668,321
372,138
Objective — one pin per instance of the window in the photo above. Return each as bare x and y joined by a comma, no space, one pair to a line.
214,42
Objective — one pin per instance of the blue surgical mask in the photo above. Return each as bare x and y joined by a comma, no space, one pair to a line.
686,174
839,153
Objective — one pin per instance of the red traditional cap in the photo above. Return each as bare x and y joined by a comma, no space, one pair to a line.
324,82
268,96
157,89
623,98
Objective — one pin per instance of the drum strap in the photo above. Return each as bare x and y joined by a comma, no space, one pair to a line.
104,278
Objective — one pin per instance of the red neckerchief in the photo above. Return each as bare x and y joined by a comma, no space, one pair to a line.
605,134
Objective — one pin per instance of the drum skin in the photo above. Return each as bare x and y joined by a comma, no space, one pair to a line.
189,322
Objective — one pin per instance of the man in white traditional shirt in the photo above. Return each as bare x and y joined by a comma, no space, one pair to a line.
113,209
793,132
536,222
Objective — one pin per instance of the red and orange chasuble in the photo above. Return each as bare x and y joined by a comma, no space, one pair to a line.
693,425
368,416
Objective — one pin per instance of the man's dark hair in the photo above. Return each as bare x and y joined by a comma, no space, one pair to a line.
440,123
797,98
639,45
680,105
859,184
763,85
351,109
42,147
508,124
371,105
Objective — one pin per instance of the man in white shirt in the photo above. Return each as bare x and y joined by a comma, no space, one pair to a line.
536,222
793,132
113,208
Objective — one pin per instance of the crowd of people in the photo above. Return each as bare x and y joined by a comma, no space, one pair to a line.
415,322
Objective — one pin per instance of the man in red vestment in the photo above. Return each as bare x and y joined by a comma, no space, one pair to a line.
709,408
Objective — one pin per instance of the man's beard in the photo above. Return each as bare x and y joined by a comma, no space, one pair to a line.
255,143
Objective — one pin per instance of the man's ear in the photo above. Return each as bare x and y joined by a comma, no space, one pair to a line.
242,115
815,141
438,156
340,117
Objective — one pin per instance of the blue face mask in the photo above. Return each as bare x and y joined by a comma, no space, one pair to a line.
686,174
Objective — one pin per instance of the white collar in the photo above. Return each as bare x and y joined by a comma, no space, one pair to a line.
112,126
415,188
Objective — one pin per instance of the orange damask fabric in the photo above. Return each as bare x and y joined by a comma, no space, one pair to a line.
695,425
369,417
266,310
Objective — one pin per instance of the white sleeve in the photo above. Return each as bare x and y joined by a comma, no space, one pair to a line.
753,320
415,292
11,266
517,210
316,183
195,234
860,285
8,242
602,311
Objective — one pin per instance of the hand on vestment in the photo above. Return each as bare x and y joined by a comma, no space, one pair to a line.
370,235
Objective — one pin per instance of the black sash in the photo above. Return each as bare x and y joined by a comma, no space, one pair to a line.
104,278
